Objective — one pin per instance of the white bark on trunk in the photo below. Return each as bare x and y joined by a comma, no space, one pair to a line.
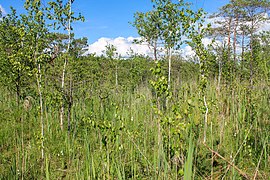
38,77
205,119
62,111
170,65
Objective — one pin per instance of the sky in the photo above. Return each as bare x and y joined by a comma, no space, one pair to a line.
107,21
110,19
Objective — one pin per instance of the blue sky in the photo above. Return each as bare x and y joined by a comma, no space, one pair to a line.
108,18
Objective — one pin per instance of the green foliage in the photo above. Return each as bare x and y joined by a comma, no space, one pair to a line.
110,51
17,65
59,14
160,84
116,135
126,122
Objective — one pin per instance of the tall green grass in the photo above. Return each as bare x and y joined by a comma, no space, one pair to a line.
117,137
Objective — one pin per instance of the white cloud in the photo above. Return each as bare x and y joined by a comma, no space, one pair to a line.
187,52
265,26
123,46
2,10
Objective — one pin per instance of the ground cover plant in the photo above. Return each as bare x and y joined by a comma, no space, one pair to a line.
68,116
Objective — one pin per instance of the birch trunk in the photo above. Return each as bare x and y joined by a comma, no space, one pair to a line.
169,74
62,111
170,65
38,77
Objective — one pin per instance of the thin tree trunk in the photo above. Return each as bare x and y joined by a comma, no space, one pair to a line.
70,103
169,74
170,65
159,134
38,77
219,73
39,87
205,118
63,98
235,40
242,51
229,39
18,89
155,51
251,54
64,70
116,76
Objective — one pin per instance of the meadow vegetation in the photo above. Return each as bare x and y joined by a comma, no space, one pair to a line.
124,118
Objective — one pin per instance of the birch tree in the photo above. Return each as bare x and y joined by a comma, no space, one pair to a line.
166,24
15,66
148,25
37,42
171,15
62,17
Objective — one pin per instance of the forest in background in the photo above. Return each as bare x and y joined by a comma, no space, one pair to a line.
68,116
